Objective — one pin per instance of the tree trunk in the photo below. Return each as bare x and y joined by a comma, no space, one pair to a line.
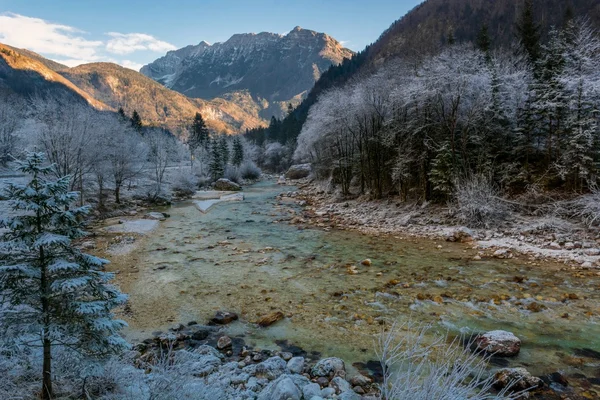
118,194
47,393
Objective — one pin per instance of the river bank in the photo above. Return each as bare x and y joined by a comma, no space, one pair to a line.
545,238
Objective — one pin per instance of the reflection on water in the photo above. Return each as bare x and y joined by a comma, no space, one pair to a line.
237,257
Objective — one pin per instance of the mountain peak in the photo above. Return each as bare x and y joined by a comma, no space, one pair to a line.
271,69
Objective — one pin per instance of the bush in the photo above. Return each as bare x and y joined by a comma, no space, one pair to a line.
233,174
249,171
586,208
478,203
184,184
416,369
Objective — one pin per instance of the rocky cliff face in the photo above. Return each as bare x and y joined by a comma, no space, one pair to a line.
272,68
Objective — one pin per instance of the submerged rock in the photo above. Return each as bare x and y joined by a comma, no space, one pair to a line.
224,318
156,216
517,378
499,343
270,319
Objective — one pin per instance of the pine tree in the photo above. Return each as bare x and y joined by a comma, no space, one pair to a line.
121,113
529,32
483,41
238,152
224,149
216,168
52,292
136,121
199,135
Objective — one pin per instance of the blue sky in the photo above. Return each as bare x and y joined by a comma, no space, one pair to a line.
136,32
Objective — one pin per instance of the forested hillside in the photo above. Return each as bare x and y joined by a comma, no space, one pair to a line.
509,120
425,31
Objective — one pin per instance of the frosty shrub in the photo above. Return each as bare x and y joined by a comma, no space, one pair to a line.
184,184
587,207
249,171
233,174
478,203
417,368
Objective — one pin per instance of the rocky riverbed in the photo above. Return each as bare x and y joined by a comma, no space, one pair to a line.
330,290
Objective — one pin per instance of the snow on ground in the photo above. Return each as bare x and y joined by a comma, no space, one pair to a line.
210,198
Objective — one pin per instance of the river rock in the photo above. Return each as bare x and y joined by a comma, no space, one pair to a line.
519,378
328,367
360,380
270,319
298,171
281,180
156,216
296,365
340,385
224,318
271,368
224,342
282,388
327,392
461,234
499,343
201,334
311,390
351,395
226,185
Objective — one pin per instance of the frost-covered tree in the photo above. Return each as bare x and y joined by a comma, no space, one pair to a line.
580,81
52,294
199,135
162,153
238,152
216,167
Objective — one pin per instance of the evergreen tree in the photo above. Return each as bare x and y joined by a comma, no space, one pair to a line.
529,32
451,39
200,134
51,291
216,167
136,121
122,115
224,149
483,41
238,152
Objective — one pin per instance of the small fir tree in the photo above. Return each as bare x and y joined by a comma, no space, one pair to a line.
224,149
199,135
51,291
238,152
216,167
136,121
529,32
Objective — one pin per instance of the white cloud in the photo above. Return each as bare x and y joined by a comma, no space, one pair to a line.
344,42
46,37
71,46
131,65
125,43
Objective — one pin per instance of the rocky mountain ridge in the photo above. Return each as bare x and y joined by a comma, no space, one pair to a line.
108,86
273,69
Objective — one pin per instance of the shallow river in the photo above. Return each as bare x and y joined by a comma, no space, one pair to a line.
240,257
